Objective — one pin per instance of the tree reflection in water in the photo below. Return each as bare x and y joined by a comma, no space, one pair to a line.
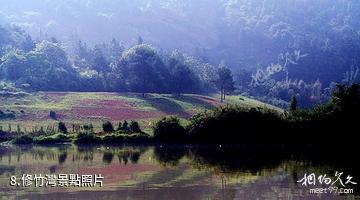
171,163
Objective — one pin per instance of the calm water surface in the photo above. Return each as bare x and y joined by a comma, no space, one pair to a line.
174,172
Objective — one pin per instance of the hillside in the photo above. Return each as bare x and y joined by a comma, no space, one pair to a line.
275,49
32,110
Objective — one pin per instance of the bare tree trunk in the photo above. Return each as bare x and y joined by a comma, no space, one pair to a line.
221,95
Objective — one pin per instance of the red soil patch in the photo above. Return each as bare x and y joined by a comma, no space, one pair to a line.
106,103
111,109
114,113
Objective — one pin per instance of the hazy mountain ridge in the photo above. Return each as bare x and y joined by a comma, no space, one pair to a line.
99,21
275,48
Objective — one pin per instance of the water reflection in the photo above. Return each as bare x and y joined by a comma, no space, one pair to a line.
168,155
177,172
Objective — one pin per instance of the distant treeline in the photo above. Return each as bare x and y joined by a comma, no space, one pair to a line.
46,66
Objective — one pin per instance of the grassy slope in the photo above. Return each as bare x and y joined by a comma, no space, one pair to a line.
79,108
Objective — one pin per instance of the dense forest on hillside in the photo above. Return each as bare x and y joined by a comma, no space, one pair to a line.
46,66
275,49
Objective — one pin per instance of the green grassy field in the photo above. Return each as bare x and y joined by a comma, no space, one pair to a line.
32,110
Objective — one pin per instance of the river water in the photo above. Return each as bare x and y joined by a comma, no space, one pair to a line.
176,172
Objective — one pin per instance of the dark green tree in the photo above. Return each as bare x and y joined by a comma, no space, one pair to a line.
88,127
13,66
62,127
107,127
134,127
52,115
347,99
125,126
169,129
224,81
145,70
293,103
140,40
99,62
82,51
119,128
115,50
183,80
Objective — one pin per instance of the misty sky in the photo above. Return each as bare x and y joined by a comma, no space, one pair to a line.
221,29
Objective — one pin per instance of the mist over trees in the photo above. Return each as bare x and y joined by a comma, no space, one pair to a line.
224,81
46,67
275,50
103,67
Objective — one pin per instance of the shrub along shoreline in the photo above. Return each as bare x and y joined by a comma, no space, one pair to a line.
229,124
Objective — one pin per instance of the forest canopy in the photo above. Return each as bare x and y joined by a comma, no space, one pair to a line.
275,50
105,67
